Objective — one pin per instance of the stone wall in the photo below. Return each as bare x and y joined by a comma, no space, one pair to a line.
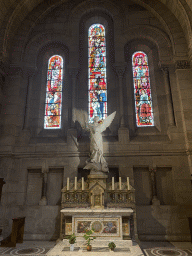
164,222
27,151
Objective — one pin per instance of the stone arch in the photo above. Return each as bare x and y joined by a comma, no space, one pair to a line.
168,20
36,44
155,35
39,60
19,15
164,12
149,46
87,6
160,11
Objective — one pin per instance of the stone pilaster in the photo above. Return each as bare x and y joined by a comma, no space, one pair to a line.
168,96
123,132
2,182
120,69
73,73
43,200
12,106
29,73
155,200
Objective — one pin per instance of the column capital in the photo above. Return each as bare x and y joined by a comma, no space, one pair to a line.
22,69
120,68
45,171
182,64
190,51
167,66
29,70
15,70
165,69
4,68
152,170
73,71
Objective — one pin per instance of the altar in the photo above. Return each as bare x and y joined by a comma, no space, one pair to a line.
108,208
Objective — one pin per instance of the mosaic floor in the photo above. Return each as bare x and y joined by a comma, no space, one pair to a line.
161,251
166,248
28,248
34,248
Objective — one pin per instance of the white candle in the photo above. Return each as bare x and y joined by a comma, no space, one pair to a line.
75,183
83,187
113,183
119,183
127,183
67,183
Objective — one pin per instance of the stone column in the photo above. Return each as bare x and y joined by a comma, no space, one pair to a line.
43,200
2,182
155,200
123,132
120,69
73,73
13,106
29,74
168,96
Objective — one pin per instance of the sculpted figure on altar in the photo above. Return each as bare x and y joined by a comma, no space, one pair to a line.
96,162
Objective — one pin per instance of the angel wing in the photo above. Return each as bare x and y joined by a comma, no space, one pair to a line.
107,122
81,117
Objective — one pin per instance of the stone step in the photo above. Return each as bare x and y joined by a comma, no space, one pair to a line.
80,242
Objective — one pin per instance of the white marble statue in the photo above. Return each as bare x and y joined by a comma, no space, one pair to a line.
96,162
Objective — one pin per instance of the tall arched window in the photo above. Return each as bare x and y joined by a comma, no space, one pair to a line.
142,90
97,88
53,101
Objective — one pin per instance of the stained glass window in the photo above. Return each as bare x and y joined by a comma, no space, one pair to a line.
53,101
97,88
142,90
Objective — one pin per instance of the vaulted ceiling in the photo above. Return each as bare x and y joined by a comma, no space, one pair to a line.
14,12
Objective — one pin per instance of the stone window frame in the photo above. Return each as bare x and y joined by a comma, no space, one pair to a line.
40,131
153,59
86,21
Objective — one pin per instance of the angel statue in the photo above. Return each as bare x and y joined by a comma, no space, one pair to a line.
96,162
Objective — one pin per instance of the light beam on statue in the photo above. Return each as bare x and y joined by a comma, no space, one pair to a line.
96,162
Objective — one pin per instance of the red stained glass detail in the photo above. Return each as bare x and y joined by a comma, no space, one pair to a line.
97,72
142,90
53,102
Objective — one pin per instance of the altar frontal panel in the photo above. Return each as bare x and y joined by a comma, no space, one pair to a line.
103,227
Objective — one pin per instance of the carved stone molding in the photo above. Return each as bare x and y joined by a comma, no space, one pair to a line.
120,68
4,68
182,64
29,70
120,71
165,69
22,70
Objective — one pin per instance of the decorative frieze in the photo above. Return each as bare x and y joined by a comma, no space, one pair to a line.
182,64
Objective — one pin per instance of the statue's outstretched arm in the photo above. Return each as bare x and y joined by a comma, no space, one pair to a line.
107,122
